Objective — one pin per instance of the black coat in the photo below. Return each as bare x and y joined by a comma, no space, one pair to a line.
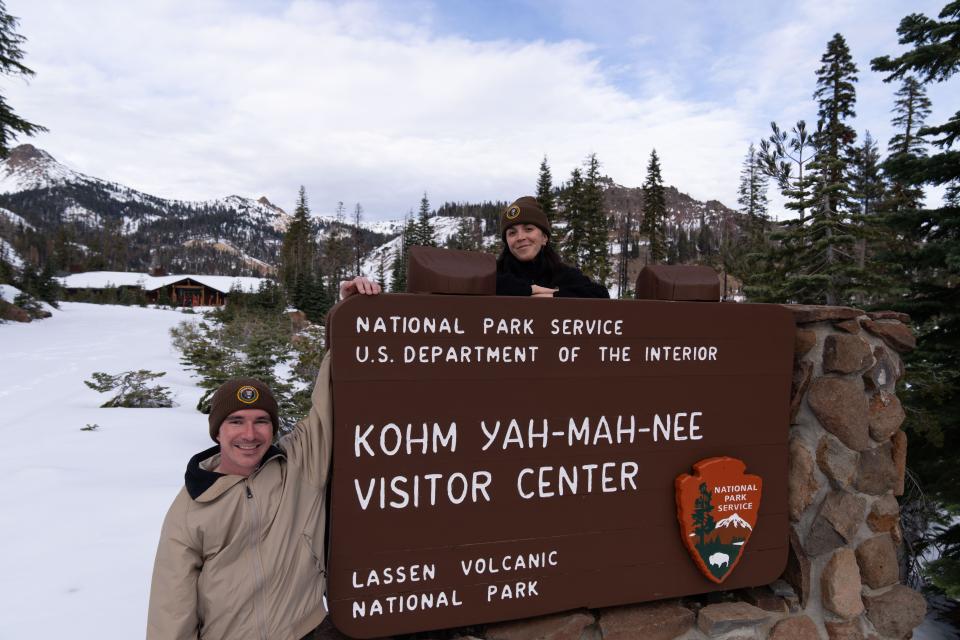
515,277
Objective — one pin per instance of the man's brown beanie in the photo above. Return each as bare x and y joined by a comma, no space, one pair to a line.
525,210
241,393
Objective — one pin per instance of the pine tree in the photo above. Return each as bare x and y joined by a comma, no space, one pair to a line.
545,192
706,241
868,193
904,194
315,300
297,254
596,263
10,56
574,241
357,239
702,519
752,195
654,223
398,269
912,107
811,258
337,252
381,270
623,259
932,259
684,253
743,254
467,236
673,249
408,237
828,269
786,157
424,235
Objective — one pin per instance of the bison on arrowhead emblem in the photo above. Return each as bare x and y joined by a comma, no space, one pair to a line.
717,508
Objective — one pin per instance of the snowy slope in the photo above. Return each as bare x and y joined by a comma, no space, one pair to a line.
81,511
28,167
8,253
10,217
444,228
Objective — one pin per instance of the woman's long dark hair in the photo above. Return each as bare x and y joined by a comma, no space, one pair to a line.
551,259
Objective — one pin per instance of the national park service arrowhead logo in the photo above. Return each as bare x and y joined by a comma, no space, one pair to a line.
717,507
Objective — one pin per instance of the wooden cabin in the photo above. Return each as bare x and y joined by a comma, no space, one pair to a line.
178,290
187,292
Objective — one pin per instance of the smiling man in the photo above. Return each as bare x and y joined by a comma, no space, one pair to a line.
241,549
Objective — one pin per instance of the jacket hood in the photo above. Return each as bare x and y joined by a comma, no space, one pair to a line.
198,480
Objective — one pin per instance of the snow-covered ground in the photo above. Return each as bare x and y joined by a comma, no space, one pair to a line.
9,293
81,511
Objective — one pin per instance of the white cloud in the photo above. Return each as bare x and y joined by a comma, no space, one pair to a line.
202,99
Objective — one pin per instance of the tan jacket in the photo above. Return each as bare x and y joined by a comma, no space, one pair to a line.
243,558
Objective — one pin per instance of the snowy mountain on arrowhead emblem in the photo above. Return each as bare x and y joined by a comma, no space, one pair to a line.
734,521
732,530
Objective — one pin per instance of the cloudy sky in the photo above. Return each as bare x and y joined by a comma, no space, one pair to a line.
377,102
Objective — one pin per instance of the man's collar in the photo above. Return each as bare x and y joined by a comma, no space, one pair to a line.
198,477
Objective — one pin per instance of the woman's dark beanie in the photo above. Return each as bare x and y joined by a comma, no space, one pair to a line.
525,210
241,393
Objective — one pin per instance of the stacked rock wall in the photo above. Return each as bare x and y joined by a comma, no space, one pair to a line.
847,465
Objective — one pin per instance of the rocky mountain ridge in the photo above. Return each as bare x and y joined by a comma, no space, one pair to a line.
55,209
83,222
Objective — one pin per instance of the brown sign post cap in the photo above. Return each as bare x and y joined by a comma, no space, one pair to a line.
435,270
678,282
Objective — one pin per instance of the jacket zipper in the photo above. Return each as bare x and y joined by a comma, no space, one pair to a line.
258,605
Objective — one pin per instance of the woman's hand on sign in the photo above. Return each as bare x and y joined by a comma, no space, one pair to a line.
537,291
361,285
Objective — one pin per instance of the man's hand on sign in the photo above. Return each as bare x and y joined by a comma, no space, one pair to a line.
361,285
537,291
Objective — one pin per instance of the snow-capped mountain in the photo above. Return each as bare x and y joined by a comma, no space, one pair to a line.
734,522
28,168
233,234
89,223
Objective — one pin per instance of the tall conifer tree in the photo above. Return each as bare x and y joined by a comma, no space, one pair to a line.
596,263
623,259
423,231
10,64
357,239
787,157
912,107
574,242
932,397
829,273
298,252
381,271
654,223
752,194
868,192
338,258
408,236
742,254
545,192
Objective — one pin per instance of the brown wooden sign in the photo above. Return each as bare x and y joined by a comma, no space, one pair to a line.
499,458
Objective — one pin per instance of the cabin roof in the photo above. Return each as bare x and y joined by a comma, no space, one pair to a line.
105,279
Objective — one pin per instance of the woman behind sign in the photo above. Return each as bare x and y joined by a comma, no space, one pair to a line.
529,265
